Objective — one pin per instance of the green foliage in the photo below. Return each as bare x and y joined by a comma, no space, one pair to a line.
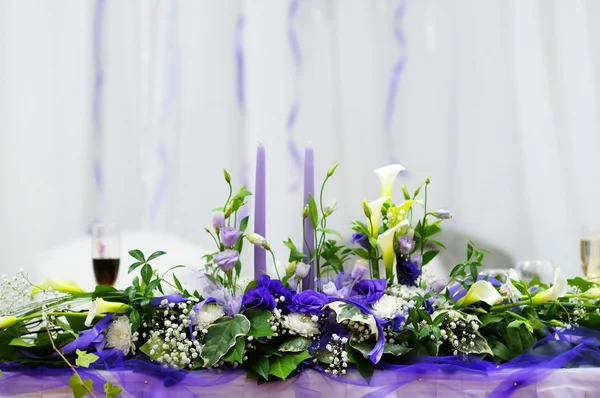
80,387
283,366
236,353
259,322
582,284
295,344
295,254
111,390
260,365
85,359
221,336
364,366
313,211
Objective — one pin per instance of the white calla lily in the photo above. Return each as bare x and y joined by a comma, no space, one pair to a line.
373,221
557,290
480,291
57,285
385,241
387,176
8,321
100,306
593,292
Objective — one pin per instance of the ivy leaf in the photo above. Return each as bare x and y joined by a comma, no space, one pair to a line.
85,359
364,347
395,349
260,365
313,211
155,255
295,254
282,366
236,353
296,344
146,273
221,336
79,388
138,255
325,357
147,347
111,390
581,284
345,311
364,366
259,322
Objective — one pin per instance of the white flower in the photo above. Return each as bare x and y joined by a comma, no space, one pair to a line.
387,307
387,176
373,221
100,306
480,291
558,289
509,289
302,270
330,289
207,315
256,239
301,324
119,335
385,241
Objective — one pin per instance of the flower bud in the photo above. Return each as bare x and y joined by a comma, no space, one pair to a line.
442,214
330,208
256,239
410,233
218,219
228,211
305,212
227,176
405,192
428,180
291,268
302,270
293,282
405,245
366,209
359,270
330,289
332,169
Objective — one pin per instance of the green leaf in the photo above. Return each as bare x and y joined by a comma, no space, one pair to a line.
295,344
282,366
259,322
360,252
330,232
433,229
244,224
313,211
177,283
80,389
134,266
469,251
395,349
260,364
85,359
440,318
155,255
501,351
430,255
581,284
365,367
345,311
437,242
364,347
490,318
295,254
325,357
221,336
236,353
147,347
146,273
474,271
138,255
251,285
479,255
19,342
111,390
134,318
241,195
457,270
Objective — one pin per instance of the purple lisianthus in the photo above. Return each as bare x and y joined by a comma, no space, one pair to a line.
405,245
277,289
309,302
361,239
329,289
369,290
259,297
218,219
409,270
226,260
358,271
229,235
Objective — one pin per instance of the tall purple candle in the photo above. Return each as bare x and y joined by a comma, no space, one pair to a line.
309,188
260,255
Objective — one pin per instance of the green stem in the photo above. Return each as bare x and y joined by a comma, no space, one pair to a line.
275,264
423,237
228,197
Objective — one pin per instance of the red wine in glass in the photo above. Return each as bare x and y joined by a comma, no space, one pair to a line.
106,250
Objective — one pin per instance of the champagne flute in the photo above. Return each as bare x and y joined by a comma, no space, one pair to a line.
106,251
589,250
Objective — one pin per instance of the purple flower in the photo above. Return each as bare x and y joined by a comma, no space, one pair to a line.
369,290
405,245
442,214
218,219
359,270
229,235
408,270
259,297
309,302
226,260
329,289
361,239
277,289
293,282
438,285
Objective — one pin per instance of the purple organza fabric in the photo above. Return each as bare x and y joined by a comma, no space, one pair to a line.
460,376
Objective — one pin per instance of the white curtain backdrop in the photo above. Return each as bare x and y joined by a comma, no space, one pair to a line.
498,103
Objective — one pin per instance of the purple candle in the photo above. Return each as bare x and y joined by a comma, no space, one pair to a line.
260,255
309,188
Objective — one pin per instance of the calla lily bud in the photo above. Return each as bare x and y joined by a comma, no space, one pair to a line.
374,211
305,212
302,270
593,292
100,306
332,169
291,268
558,289
7,321
385,241
366,209
387,176
405,192
227,176
480,291
58,285
256,239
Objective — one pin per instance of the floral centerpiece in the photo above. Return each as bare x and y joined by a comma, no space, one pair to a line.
373,303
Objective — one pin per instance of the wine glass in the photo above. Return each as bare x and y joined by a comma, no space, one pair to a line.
589,249
543,269
106,250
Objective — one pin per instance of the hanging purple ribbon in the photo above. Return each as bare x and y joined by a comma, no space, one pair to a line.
295,107
171,88
393,86
96,109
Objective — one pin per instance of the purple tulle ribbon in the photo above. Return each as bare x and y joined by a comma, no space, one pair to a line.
393,86
138,377
295,107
